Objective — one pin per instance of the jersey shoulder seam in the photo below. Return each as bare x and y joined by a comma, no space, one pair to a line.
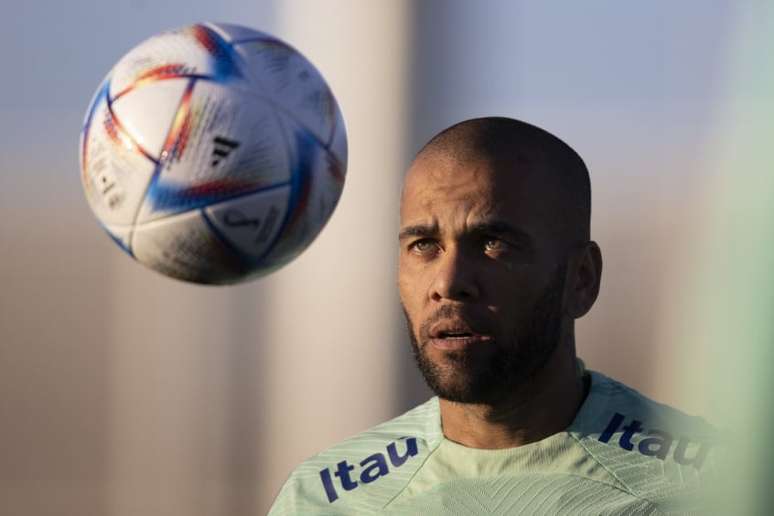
625,488
408,481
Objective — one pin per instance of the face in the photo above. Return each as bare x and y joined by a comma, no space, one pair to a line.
481,275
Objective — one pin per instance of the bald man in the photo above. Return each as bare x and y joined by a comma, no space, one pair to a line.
496,263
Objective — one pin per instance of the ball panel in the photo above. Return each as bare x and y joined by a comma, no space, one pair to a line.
225,61
168,54
147,113
292,83
122,236
233,145
190,51
338,142
99,97
115,172
251,223
316,187
184,247
235,33
101,92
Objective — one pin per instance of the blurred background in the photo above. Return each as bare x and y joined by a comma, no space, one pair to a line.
123,392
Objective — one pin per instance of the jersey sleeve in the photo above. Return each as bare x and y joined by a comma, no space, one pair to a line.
362,474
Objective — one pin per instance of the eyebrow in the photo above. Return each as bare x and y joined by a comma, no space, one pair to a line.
418,230
500,227
493,227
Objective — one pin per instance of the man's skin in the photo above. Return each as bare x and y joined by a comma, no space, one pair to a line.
459,277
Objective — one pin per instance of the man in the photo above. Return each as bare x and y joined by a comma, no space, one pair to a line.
496,263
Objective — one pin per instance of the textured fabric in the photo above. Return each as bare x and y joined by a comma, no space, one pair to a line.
623,454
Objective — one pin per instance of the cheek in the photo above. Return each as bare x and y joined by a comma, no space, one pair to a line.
409,292
511,299
410,303
411,284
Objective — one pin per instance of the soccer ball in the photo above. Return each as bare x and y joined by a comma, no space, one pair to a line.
213,154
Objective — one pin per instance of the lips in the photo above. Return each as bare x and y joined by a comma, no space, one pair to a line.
454,329
456,334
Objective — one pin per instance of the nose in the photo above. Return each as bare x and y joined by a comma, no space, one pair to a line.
455,278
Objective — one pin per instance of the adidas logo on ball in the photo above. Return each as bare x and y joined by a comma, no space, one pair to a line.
223,147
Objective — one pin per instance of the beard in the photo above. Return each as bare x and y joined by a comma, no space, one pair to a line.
467,377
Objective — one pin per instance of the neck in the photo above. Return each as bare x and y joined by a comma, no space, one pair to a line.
547,405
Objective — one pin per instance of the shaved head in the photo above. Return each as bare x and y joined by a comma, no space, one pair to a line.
495,264
513,146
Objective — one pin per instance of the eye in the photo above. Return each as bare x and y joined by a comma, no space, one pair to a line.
495,244
423,246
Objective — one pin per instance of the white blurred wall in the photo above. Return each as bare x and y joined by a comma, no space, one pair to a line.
125,393
217,393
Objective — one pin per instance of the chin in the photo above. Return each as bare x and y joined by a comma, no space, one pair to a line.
454,383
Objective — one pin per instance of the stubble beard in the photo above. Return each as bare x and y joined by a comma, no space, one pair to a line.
509,368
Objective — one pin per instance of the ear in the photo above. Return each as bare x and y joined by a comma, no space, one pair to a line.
584,275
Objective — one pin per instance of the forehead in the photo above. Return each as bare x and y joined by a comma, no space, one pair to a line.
441,190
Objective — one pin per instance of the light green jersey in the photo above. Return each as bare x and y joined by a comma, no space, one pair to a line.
623,454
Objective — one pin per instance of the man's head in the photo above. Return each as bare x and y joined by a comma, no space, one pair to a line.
495,257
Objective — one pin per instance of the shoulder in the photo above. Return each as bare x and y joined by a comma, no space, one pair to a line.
657,452
362,473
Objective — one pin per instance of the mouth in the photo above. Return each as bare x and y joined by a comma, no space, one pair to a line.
456,335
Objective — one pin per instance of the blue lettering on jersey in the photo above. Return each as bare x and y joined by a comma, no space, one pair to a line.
657,444
373,467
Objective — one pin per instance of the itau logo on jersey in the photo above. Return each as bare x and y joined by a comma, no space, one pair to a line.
657,443
372,467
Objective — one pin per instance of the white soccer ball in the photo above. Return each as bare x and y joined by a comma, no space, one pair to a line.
213,153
